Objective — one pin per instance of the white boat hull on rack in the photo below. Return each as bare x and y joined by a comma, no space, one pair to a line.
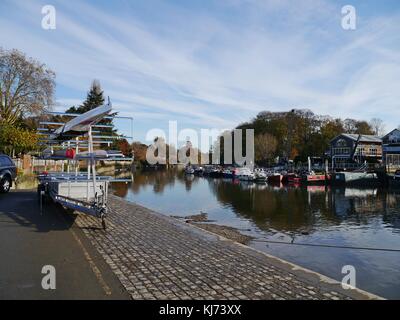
82,123
87,192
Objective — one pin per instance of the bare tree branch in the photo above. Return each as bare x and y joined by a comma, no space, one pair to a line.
26,86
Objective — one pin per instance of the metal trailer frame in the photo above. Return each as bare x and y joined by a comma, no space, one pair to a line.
76,192
91,190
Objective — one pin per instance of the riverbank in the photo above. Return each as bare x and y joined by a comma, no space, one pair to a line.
317,227
159,257
152,256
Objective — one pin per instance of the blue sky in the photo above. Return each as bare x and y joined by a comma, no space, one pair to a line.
214,64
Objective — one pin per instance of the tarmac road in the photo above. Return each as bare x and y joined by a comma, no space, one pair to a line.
30,240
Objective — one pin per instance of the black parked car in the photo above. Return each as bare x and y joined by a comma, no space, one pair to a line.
8,173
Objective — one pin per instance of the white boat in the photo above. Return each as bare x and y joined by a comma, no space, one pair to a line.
189,170
82,123
244,174
260,176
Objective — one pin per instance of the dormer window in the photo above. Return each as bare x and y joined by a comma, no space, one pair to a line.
341,143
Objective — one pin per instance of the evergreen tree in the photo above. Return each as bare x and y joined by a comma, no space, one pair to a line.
93,100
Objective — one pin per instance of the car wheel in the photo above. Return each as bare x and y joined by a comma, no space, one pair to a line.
5,185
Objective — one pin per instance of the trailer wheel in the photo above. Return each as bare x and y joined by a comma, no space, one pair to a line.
38,195
40,198
42,195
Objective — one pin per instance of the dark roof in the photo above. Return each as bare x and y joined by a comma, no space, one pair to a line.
390,133
363,138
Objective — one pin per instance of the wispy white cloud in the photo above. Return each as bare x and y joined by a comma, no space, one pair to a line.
218,66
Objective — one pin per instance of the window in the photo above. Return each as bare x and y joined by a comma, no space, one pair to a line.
341,150
341,143
394,137
5,161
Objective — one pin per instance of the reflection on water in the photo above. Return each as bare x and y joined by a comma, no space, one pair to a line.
299,219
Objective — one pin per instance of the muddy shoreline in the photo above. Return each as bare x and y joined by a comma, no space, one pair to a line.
201,220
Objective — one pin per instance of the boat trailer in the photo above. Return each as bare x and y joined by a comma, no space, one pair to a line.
85,192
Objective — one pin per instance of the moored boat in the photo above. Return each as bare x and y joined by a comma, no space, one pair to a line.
216,173
356,178
294,179
244,174
198,171
260,176
227,173
288,176
212,171
275,178
189,170
312,178
207,170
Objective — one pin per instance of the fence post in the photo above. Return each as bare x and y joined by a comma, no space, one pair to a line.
26,164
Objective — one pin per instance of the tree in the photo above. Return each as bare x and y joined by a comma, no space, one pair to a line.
357,127
123,146
26,86
363,127
377,125
14,139
93,100
319,142
139,152
265,146
350,125
300,133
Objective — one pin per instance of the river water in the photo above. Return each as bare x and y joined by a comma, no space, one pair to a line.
319,228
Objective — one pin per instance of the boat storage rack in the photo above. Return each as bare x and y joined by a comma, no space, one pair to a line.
72,142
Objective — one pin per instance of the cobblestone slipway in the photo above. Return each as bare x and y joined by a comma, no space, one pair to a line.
159,257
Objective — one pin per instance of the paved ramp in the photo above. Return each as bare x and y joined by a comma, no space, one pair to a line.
158,257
